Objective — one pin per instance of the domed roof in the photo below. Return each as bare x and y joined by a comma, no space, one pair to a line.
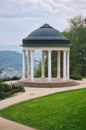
45,32
46,36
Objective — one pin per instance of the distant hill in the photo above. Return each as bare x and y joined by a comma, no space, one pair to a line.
11,63
10,59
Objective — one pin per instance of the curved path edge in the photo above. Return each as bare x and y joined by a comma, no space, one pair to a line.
30,94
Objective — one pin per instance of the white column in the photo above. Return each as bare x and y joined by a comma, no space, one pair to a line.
32,65
49,65
24,64
43,67
28,64
68,65
58,64
64,65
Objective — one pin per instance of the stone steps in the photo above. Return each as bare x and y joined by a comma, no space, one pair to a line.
48,85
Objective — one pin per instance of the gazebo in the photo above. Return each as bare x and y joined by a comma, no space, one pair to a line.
46,38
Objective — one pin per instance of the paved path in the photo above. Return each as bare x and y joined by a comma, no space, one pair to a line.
10,125
29,94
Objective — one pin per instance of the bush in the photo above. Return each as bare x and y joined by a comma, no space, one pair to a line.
6,89
76,72
5,79
75,77
1,95
15,78
21,88
18,87
9,79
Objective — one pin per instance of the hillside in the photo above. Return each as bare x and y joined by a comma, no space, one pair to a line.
11,63
10,59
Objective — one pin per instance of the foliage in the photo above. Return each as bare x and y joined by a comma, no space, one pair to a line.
38,72
6,88
64,110
9,79
15,78
5,79
77,35
75,76
10,89
76,72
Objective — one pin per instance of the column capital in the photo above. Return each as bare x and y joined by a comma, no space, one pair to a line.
49,50
68,50
65,50
32,50
28,50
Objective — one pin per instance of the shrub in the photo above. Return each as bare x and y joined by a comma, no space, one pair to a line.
75,77
18,87
15,78
5,79
21,88
14,86
1,95
6,89
9,79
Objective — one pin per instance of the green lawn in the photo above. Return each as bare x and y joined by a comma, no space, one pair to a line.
60,111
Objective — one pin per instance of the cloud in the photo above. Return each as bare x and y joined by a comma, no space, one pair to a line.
26,8
31,8
19,18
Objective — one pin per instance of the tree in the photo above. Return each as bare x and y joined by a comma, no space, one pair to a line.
77,35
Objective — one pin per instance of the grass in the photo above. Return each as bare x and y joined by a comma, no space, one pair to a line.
60,111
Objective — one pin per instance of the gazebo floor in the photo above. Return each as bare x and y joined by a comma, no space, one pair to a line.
44,83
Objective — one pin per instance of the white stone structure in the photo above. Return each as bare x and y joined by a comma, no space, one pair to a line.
57,43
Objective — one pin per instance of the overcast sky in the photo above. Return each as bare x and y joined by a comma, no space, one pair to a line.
19,17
